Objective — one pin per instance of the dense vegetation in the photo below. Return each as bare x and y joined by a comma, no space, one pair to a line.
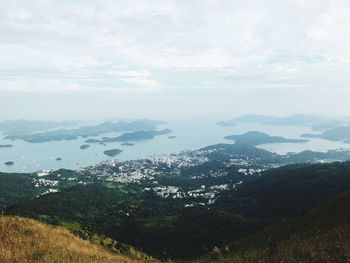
319,235
298,188
161,227
16,188
165,228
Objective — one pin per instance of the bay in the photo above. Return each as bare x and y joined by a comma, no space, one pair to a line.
190,135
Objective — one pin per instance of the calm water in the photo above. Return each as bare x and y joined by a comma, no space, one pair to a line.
30,157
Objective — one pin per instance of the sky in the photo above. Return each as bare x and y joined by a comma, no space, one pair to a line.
163,59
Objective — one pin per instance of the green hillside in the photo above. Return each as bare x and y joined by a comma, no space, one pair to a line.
320,235
186,228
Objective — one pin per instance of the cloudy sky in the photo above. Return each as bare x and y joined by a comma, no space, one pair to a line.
173,59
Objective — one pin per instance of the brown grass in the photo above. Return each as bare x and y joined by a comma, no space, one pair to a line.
26,241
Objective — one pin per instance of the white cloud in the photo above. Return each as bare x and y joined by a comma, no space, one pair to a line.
152,45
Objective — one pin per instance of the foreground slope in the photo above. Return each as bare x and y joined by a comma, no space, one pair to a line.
320,235
26,240
166,228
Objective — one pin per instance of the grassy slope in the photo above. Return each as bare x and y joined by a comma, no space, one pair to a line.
26,240
320,235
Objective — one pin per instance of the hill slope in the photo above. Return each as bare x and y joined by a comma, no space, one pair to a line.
165,228
26,240
320,235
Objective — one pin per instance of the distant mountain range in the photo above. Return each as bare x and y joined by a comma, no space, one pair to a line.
336,134
316,122
12,127
257,138
84,131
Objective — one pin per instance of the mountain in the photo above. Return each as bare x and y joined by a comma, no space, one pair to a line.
320,234
26,240
132,136
25,126
298,187
84,131
307,120
256,138
337,134
159,226
181,213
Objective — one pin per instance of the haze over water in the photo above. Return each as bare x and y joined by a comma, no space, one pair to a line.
191,135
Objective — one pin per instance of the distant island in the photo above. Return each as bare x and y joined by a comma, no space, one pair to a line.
255,138
6,145
127,144
316,122
226,123
172,137
58,159
23,127
131,136
84,146
310,135
84,131
92,141
336,134
112,152
10,163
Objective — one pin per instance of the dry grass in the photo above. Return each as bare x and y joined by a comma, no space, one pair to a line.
24,240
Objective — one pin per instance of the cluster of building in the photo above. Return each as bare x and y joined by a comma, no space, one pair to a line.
40,182
250,171
148,172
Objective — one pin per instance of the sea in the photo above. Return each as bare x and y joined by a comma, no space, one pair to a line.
190,135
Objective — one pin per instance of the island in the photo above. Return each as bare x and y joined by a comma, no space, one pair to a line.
255,138
58,159
316,122
310,135
127,144
336,134
6,146
22,127
84,131
112,152
139,135
84,146
10,163
93,141
226,123
171,137
131,136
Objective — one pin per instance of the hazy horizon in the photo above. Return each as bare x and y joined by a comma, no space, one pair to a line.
183,119
95,60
